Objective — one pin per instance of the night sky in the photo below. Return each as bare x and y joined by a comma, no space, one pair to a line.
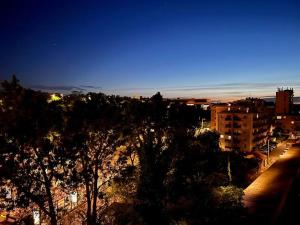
182,48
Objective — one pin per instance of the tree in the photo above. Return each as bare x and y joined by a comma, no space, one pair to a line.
31,153
154,155
93,134
147,150
243,169
174,166
228,205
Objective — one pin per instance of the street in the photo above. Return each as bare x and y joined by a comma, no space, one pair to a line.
274,155
266,196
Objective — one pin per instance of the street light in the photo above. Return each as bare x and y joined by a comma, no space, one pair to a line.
73,197
202,123
36,217
268,150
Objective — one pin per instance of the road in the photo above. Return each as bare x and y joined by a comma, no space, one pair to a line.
273,156
266,196
290,214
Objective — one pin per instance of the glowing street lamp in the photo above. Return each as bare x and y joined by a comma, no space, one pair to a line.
8,193
73,196
36,217
268,151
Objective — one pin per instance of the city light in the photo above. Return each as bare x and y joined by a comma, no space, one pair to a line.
73,196
149,112
54,97
36,217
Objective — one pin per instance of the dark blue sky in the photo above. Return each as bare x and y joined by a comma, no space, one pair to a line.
181,48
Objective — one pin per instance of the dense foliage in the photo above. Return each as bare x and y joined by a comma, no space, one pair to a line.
131,161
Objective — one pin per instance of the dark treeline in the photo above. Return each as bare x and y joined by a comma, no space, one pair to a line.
132,161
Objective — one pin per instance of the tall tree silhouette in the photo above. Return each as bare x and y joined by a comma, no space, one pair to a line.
31,154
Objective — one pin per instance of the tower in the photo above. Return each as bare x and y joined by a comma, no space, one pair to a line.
284,101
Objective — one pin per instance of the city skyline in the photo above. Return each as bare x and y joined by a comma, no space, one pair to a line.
205,49
149,112
213,92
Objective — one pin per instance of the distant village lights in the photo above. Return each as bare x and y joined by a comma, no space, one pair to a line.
55,97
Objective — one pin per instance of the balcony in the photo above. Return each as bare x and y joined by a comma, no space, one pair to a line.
235,125
235,118
260,131
228,118
236,141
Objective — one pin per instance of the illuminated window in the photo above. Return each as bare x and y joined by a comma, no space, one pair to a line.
279,117
292,122
221,136
229,137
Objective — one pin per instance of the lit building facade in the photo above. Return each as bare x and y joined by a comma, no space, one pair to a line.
243,125
215,110
287,115
290,124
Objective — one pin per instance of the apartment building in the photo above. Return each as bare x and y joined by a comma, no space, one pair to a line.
243,125
215,110
284,101
287,113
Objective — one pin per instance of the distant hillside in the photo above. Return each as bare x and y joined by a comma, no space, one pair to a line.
272,99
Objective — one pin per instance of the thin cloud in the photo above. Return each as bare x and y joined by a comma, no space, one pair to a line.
57,88
212,91
224,86
91,87
225,90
